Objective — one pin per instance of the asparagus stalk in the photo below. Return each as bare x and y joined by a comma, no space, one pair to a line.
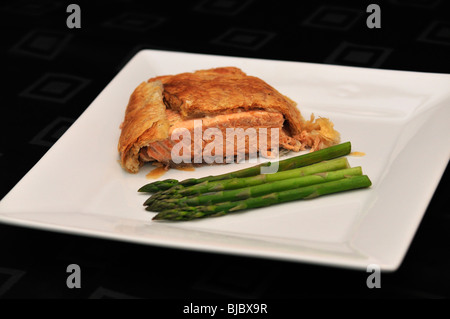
253,191
307,192
284,165
235,183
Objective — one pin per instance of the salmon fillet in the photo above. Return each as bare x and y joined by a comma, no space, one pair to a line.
163,115
255,136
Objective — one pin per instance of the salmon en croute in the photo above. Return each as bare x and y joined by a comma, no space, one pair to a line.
210,116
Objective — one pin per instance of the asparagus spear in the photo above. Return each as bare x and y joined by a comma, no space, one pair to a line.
253,191
287,164
308,192
235,183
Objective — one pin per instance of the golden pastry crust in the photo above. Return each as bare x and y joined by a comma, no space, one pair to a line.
145,122
226,90
208,94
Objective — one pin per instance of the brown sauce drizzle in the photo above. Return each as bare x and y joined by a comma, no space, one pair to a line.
161,170
187,169
156,172
357,154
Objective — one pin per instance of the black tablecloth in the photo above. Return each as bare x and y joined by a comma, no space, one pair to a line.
52,73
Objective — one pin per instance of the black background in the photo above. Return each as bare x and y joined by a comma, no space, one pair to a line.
52,73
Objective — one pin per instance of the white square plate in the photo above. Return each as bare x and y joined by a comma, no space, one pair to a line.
399,119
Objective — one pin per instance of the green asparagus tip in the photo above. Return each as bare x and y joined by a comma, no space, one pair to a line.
158,217
158,186
150,200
